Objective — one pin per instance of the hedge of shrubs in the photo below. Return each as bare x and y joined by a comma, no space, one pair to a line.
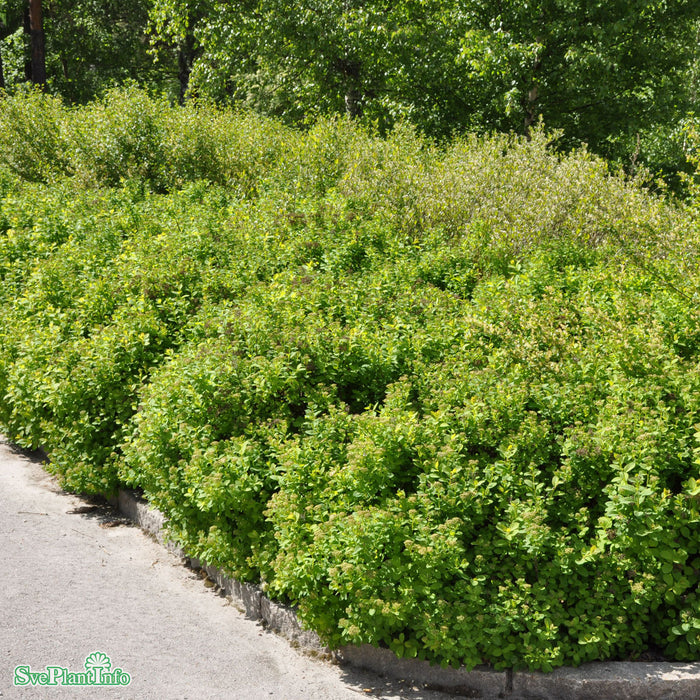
442,399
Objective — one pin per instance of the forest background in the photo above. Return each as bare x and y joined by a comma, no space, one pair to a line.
621,76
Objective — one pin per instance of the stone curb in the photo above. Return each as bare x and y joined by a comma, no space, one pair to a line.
621,680
247,597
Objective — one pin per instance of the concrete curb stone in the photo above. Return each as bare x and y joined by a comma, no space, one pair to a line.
247,597
621,680
594,681
482,682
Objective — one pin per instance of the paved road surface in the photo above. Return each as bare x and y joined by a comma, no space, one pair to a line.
70,585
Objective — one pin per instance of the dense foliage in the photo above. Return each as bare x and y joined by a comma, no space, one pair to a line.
620,76
90,45
442,400
606,72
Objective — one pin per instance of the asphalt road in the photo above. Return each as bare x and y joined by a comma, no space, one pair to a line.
75,579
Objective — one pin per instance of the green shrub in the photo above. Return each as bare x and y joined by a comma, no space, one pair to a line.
120,137
522,488
108,293
129,135
234,150
253,373
441,400
33,141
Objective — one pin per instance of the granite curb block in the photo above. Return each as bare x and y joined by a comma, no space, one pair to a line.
594,681
249,598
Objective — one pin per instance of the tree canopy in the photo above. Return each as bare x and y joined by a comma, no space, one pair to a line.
90,45
614,74
619,75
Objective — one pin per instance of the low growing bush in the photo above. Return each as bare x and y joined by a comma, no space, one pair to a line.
441,400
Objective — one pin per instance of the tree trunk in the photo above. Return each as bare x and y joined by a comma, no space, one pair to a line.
36,31
353,108
350,70
185,61
529,103
27,33
2,74
530,111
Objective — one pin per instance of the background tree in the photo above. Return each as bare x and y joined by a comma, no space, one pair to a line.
607,72
615,74
12,14
89,45
93,44
3,29
378,60
36,41
172,25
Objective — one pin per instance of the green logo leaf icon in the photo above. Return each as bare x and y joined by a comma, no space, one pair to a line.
98,660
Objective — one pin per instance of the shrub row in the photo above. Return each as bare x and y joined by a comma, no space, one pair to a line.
444,401
129,135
